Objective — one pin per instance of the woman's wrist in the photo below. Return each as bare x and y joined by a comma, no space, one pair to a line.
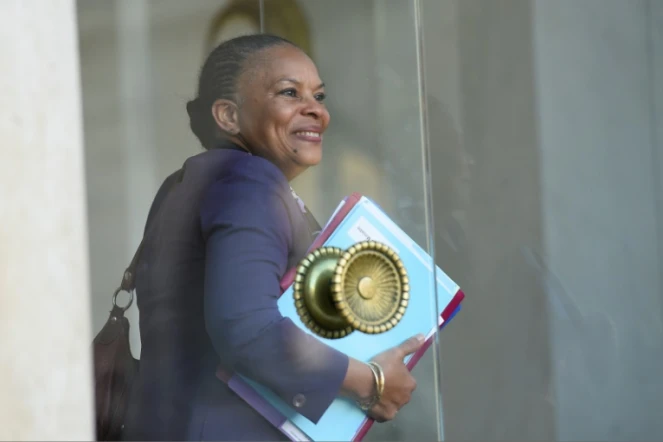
359,383
378,379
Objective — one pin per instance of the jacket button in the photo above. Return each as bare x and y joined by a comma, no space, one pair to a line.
299,400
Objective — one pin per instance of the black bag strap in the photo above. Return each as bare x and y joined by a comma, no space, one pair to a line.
128,283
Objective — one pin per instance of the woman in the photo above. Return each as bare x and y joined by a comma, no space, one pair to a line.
222,232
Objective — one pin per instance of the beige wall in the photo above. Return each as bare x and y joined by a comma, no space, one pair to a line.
45,369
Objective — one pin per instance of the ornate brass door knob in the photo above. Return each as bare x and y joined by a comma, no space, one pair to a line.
365,288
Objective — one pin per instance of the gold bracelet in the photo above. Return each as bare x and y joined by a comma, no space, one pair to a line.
378,377
368,404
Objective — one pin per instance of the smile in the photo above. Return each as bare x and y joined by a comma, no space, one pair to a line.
308,135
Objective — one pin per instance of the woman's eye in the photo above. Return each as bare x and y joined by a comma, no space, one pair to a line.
293,93
289,92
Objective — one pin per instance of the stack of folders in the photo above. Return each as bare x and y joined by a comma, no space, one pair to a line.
358,219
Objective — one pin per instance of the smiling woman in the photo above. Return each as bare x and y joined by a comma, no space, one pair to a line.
220,235
281,116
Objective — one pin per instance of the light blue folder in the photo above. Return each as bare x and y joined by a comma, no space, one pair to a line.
344,420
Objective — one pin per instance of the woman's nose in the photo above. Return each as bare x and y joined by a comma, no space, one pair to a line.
314,108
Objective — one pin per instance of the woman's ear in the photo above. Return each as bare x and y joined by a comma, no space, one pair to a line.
226,116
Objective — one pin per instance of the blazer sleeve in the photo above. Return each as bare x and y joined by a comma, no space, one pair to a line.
248,237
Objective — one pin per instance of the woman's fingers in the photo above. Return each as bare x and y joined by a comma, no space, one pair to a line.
410,345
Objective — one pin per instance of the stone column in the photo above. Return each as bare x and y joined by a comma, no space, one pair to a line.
45,362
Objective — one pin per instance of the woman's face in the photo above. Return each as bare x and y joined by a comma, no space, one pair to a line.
280,111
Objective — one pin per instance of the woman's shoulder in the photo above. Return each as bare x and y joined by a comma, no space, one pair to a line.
252,191
249,180
250,170
227,166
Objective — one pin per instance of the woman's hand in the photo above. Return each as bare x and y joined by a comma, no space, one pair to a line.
398,381
359,383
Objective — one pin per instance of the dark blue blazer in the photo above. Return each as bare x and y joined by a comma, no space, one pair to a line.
225,231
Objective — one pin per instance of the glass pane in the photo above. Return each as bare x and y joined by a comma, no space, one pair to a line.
141,60
545,136
367,52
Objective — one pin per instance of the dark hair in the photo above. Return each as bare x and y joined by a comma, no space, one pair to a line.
218,80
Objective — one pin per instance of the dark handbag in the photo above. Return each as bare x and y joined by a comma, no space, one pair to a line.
115,369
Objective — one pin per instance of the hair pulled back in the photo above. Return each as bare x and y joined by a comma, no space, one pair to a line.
218,80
